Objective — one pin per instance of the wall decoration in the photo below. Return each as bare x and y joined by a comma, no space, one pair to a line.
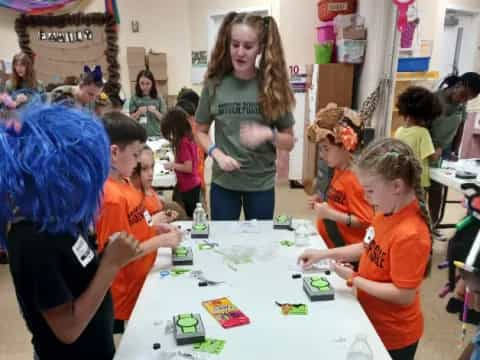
35,6
61,45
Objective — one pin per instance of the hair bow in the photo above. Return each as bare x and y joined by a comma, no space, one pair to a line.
96,72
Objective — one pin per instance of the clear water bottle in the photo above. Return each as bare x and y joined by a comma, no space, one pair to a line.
302,233
199,216
360,349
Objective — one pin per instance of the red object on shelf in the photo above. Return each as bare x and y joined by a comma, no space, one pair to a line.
328,9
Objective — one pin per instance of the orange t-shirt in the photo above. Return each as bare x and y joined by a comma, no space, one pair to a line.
346,195
152,202
123,210
398,254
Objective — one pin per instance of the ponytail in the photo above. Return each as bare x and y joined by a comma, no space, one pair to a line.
276,95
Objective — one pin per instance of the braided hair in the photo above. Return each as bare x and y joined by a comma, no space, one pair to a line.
394,159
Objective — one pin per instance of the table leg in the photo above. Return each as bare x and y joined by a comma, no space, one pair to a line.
438,224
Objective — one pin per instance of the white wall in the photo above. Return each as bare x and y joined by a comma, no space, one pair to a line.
298,30
9,37
432,17
468,52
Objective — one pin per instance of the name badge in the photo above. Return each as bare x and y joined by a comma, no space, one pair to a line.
148,218
369,236
82,251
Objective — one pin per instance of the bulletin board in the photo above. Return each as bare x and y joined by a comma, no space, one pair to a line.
61,45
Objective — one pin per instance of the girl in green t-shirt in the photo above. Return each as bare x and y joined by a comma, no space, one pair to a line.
418,107
252,110
23,85
146,106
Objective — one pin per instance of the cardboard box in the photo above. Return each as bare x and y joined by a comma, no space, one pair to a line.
133,72
162,88
171,101
136,56
352,33
157,63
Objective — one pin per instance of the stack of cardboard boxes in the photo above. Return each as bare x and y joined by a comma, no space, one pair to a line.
138,60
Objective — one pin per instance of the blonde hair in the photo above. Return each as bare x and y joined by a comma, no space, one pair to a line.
393,159
276,95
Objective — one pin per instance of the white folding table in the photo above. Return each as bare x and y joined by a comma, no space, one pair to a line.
325,333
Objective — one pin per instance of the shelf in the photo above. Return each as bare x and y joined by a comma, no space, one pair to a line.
418,76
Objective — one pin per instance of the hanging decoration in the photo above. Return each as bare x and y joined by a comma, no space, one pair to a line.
111,8
402,6
62,45
35,7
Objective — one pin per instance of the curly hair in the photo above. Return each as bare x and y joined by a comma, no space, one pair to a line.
420,105
275,92
29,80
393,159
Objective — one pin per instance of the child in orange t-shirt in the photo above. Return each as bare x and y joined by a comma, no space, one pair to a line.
346,214
122,209
141,179
395,253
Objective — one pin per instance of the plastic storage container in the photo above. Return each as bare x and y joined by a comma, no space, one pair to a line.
325,32
328,9
323,53
413,64
351,51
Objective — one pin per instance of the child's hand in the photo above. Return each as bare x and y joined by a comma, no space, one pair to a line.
160,218
165,228
310,257
173,238
152,108
172,215
169,165
142,110
322,210
314,199
344,270
21,99
121,249
252,135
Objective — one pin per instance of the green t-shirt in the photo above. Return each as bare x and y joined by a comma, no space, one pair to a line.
419,139
38,88
235,101
445,127
152,123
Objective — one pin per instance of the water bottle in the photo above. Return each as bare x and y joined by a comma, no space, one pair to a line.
302,234
199,216
360,350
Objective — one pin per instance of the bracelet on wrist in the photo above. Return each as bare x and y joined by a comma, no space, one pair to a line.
210,149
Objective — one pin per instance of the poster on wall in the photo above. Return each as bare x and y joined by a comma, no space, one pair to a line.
62,52
199,66
62,45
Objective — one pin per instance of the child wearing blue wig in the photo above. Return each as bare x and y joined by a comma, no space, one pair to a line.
54,163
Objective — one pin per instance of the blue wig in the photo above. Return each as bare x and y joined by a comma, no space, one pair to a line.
53,169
